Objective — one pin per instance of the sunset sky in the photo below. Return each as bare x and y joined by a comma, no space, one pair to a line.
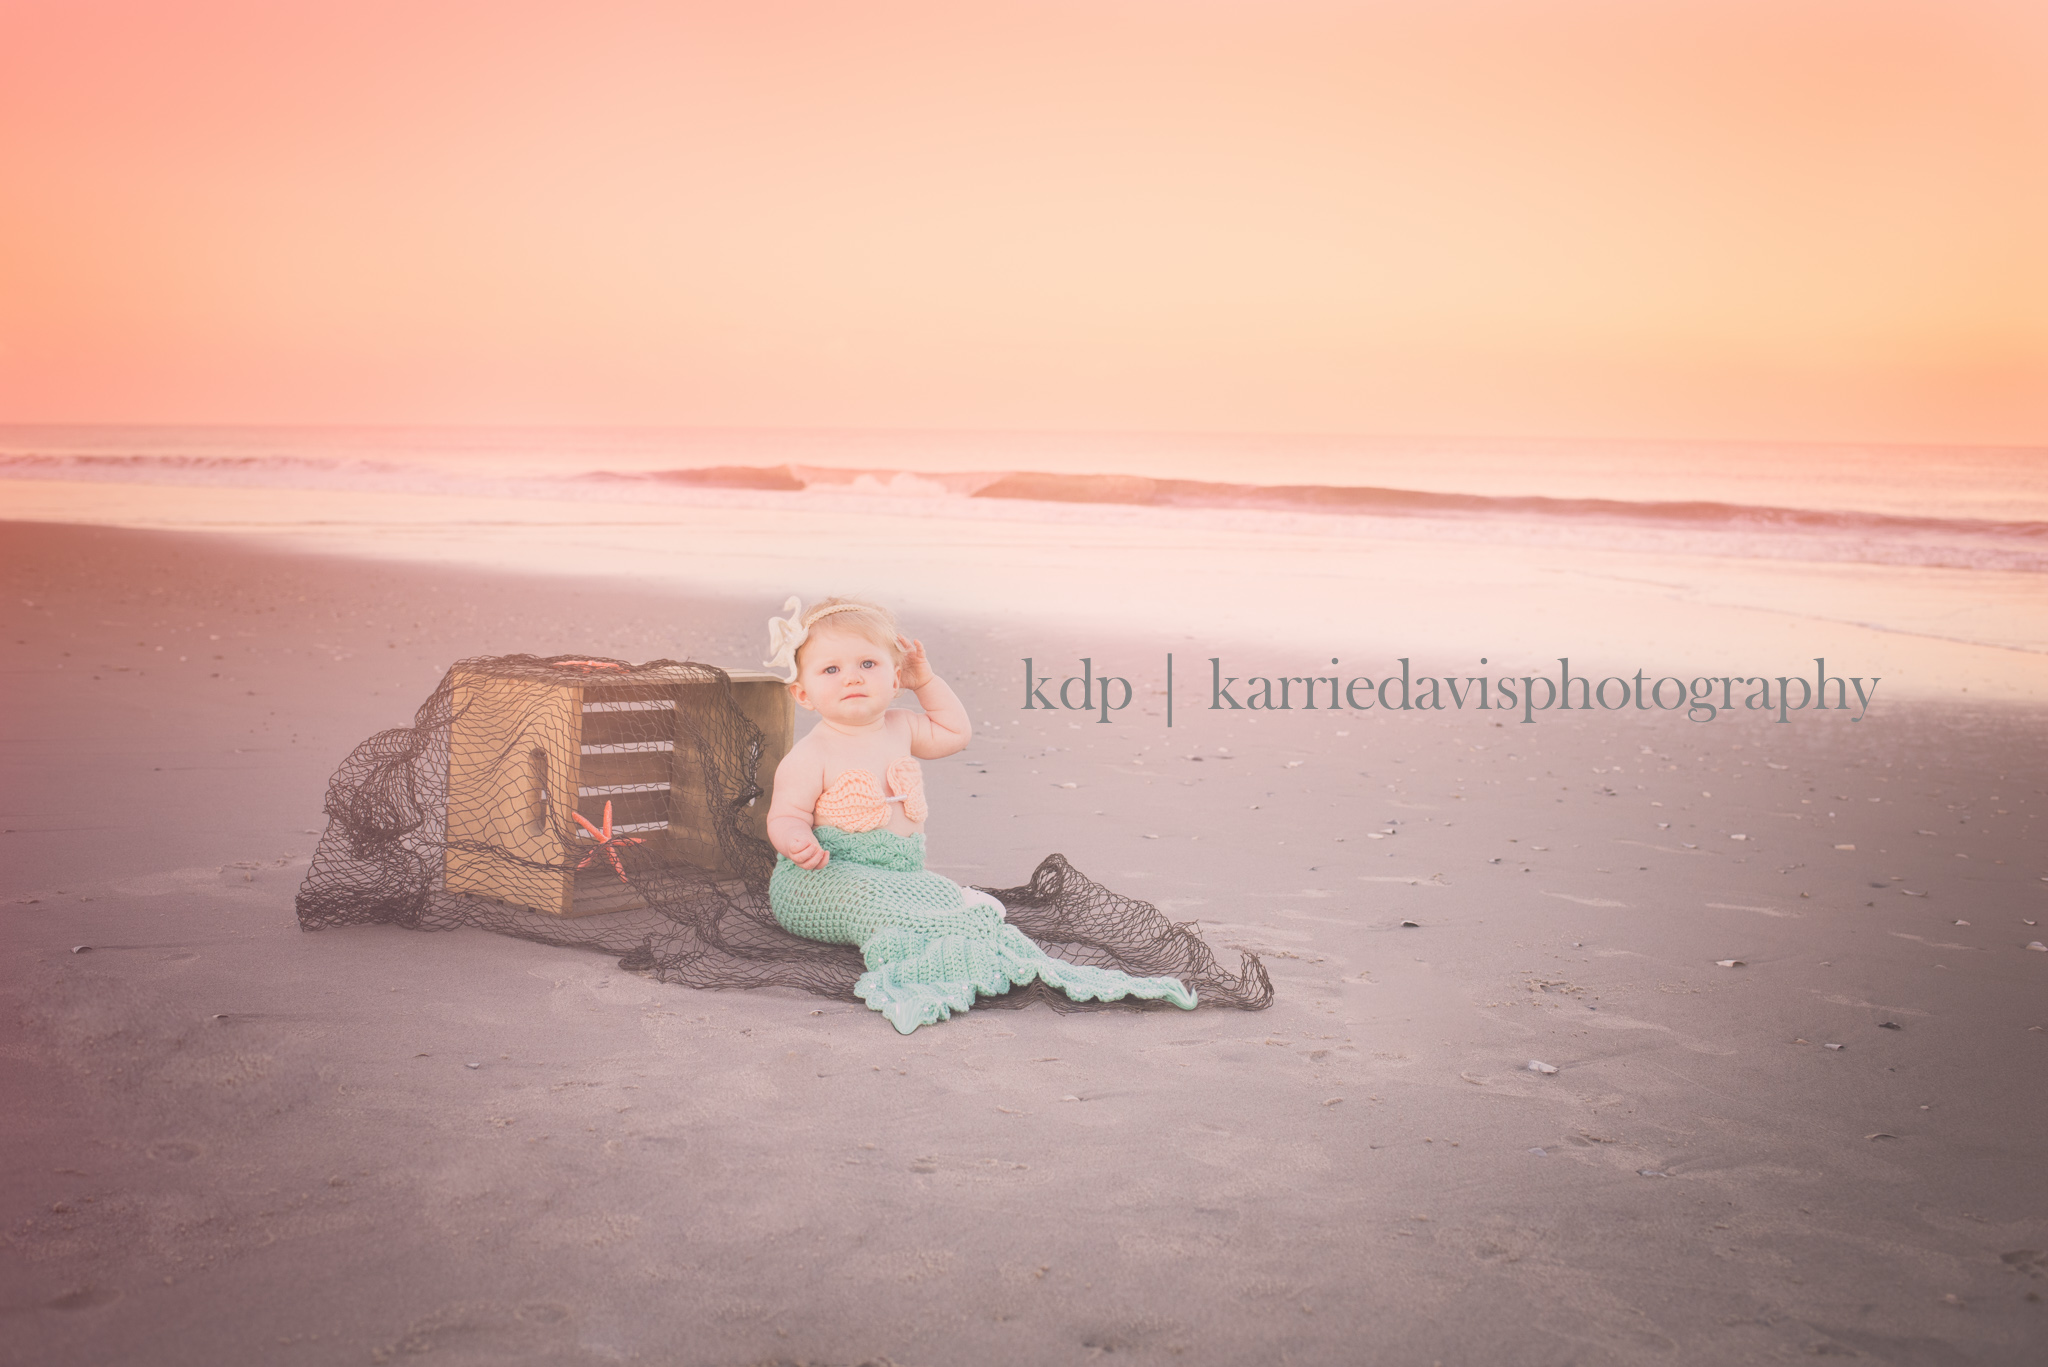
1665,217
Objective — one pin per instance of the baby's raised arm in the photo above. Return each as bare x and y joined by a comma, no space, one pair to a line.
943,728
799,780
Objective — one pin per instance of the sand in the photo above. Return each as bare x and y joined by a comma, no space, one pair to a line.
234,1142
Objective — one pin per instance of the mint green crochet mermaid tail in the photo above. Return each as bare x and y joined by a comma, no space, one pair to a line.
930,945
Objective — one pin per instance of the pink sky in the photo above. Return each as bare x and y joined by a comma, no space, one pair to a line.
1800,217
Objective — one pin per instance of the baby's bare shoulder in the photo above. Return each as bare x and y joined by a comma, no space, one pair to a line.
810,755
902,724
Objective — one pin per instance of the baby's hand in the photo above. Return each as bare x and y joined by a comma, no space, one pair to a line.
799,844
915,671
809,854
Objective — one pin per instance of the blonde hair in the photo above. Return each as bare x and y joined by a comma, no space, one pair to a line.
856,617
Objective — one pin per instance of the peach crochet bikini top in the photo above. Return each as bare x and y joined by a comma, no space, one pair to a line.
855,802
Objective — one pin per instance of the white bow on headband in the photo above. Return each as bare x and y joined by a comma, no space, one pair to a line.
784,636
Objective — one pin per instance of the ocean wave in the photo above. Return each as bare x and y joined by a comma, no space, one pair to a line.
1188,493
1704,526
879,483
1678,527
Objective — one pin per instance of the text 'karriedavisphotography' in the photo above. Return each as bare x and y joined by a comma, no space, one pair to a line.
1699,698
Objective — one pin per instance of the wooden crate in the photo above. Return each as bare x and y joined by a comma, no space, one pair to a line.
518,746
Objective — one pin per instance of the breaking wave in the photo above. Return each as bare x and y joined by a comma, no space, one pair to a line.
1677,526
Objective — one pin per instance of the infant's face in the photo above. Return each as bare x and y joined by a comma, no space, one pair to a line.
846,678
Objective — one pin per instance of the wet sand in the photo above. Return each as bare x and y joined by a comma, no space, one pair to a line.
234,1142
1309,584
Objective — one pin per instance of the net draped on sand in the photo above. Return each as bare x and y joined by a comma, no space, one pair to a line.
416,809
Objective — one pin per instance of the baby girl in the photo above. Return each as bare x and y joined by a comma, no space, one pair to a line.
848,819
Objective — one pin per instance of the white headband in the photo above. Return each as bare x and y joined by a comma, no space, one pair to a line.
786,635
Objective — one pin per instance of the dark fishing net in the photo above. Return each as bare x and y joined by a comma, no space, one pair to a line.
599,805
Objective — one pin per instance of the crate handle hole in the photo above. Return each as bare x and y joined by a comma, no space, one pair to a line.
537,763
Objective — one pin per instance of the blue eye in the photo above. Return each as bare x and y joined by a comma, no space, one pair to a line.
831,669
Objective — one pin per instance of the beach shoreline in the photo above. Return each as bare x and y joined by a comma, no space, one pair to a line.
1310,587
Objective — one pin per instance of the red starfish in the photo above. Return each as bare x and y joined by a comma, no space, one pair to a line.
607,843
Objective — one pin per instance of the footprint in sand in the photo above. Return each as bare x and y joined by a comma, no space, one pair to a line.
89,1298
542,1312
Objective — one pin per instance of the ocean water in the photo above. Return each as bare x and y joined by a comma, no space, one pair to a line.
1951,507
